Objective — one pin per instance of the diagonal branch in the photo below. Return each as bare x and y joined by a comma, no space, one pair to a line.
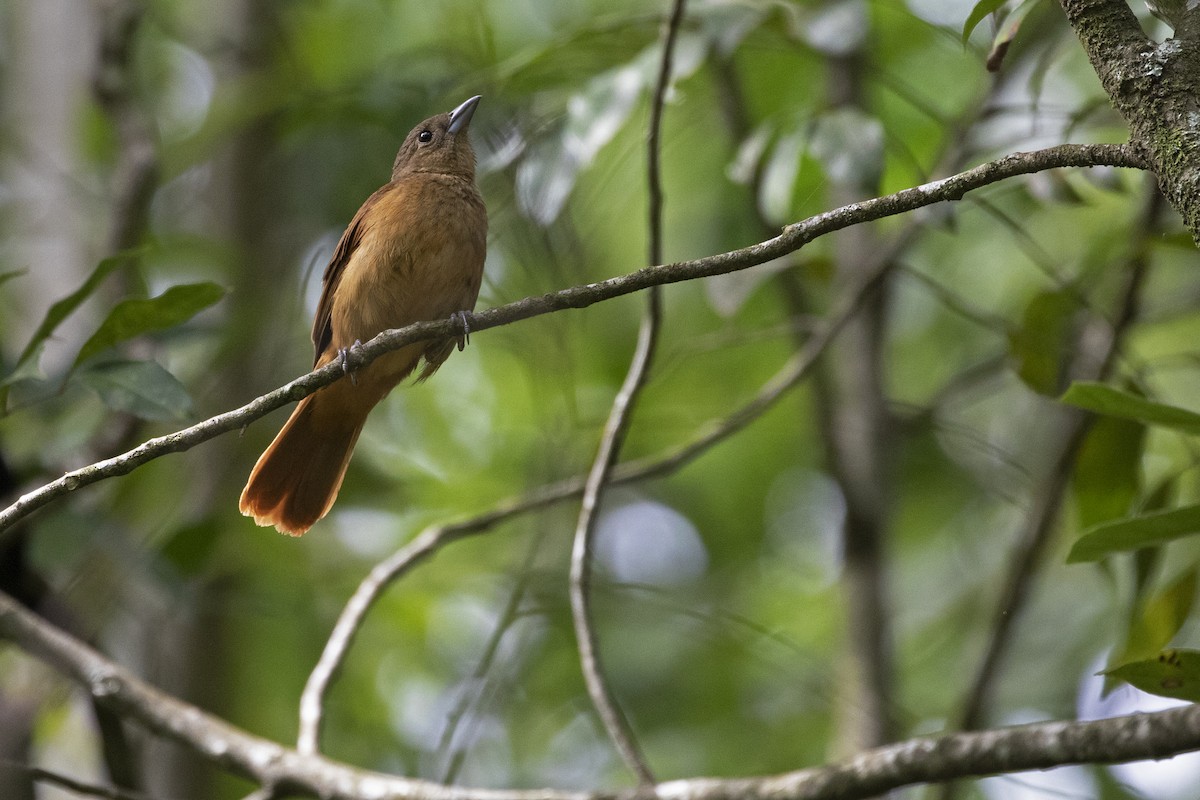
868,774
791,239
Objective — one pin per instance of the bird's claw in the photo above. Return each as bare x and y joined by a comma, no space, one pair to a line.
463,318
348,357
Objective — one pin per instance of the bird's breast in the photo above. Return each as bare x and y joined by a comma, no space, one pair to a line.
420,257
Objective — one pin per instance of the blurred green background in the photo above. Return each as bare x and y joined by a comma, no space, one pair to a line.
224,146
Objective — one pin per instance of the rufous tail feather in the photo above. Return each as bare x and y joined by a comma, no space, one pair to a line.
298,477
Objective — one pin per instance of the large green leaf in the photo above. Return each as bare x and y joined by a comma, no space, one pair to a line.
1006,34
1104,399
980,12
1146,530
134,317
1160,618
1107,473
1038,347
142,388
1172,673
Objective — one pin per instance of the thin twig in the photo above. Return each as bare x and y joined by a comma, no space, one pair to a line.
793,238
867,774
595,677
42,775
614,720
491,649
670,32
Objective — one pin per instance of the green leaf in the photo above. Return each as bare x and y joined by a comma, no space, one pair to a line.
1038,347
1107,475
134,317
188,550
780,169
1146,530
1160,619
981,10
1112,402
1172,673
63,308
8,276
141,388
1006,35
28,370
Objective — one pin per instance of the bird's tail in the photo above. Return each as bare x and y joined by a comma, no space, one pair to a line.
297,478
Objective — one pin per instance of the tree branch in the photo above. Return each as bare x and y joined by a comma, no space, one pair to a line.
922,760
793,238
1154,87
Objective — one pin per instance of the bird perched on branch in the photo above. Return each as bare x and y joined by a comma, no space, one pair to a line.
413,252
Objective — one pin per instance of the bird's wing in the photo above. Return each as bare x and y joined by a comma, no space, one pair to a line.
322,332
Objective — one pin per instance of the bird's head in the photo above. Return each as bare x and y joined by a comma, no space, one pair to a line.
439,144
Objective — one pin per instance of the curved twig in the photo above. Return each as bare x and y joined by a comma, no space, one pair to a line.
619,419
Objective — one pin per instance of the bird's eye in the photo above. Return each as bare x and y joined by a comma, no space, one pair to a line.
424,137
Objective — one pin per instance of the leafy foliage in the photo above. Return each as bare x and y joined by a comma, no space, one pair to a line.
135,317
1173,673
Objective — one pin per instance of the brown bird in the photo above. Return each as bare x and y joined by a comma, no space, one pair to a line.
413,252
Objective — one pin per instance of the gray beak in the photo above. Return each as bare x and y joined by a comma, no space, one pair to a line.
461,116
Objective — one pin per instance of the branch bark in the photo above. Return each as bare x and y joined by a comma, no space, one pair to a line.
1155,88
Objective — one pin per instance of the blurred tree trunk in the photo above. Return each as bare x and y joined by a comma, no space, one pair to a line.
856,438
46,229
44,235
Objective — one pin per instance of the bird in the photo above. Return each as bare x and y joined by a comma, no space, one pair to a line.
414,251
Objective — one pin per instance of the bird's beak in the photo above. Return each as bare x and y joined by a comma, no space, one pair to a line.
461,116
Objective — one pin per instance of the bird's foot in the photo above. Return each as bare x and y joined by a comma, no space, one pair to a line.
349,358
463,318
